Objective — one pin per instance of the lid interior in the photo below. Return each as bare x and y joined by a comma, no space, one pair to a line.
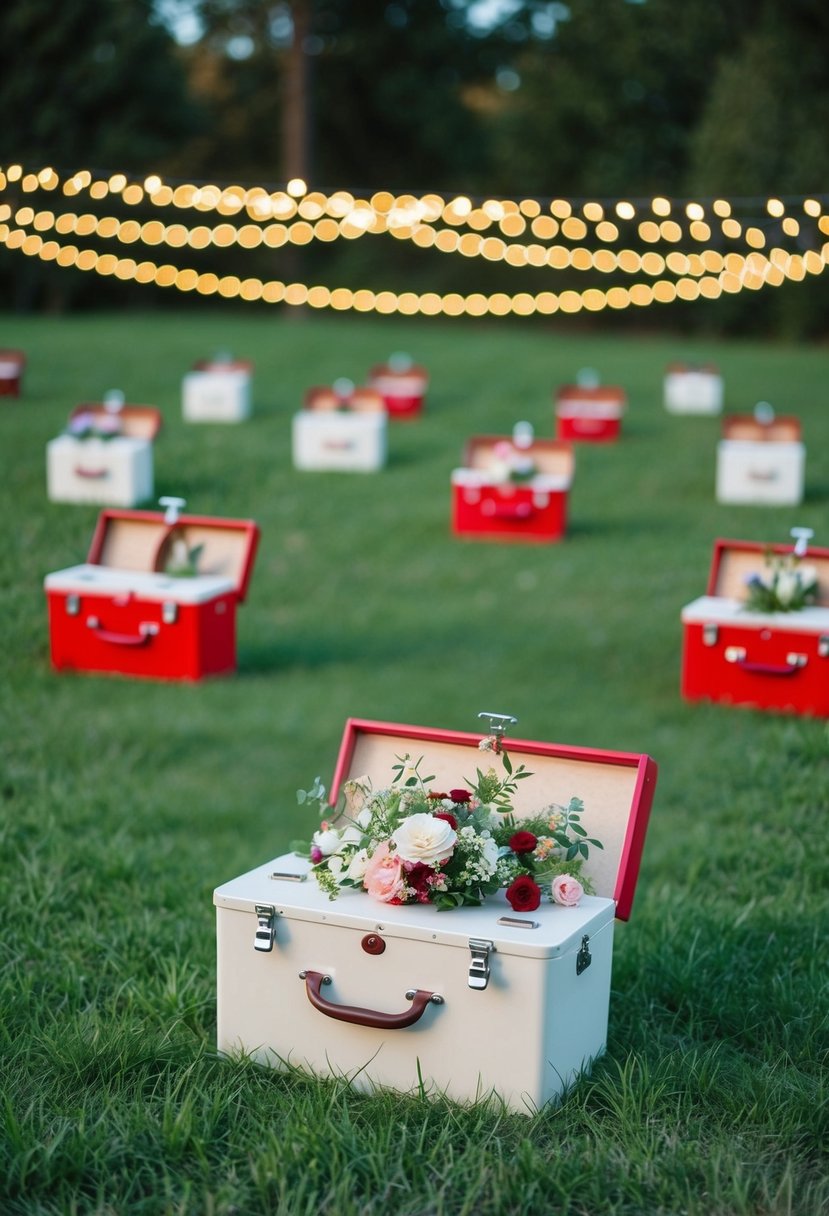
598,392
550,456
616,787
137,421
784,429
361,400
141,540
735,561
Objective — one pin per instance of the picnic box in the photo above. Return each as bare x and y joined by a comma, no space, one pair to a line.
340,429
589,413
402,384
468,1002
488,503
116,470
12,364
217,390
689,389
121,612
760,460
772,661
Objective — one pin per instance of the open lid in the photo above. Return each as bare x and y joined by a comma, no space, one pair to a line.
223,363
598,394
734,561
685,369
136,421
551,457
323,399
15,359
145,540
616,787
778,428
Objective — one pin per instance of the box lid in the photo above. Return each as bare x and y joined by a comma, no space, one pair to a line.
551,457
734,561
144,540
686,369
223,363
322,399
616,787
592,394
137,421
549,932
777,429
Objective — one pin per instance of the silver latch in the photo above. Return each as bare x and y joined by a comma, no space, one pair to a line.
710,634
73,604
823,646
263,938
584,958
480,949
169,612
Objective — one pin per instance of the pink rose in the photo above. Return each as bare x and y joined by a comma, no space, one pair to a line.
566,890
383,878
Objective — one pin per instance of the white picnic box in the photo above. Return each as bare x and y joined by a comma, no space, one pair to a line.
472,1003
116,471
761,460
340,429
217,390
691,389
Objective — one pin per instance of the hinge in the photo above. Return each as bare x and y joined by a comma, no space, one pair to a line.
710,634
584,958
263,938
480,950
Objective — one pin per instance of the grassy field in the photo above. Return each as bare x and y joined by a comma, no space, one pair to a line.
124,803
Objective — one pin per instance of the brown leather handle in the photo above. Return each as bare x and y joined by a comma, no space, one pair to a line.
91,474
768,669
366,1017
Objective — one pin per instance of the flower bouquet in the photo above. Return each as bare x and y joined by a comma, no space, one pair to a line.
90,425
784,585
409,843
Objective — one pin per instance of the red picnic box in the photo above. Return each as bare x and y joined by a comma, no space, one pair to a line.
589,413
389,987
12,363
759,637
401,384
512,488
156,597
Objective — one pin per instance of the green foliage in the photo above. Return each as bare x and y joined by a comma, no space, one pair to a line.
124,803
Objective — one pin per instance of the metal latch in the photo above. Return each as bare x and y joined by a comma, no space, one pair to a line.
263,938
710,634
480,949
169,612
73,605
823,646
584,958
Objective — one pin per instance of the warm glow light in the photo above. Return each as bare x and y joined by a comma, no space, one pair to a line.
296,187
775,207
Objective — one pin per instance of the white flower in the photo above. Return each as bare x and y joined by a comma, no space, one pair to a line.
327,842
357,867
351,835
487,744
807,576
490,853
424,838
787,586
335,865
364,818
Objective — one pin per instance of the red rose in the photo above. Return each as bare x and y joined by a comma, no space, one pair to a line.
523,842
460,795
450,819
524,894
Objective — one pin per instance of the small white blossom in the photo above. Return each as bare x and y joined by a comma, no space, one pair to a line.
327,842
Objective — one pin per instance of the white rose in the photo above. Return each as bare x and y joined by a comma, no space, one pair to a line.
490,853
358,865
786,586
424,838
364,818
335,865
327,842
807,575
351,835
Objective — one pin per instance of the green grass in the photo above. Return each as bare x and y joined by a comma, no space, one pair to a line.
124,803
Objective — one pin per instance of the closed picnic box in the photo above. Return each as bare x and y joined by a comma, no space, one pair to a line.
690,389
760,461
105,457
512,491
155,598
12,364
402,384
768,660
217,390
340,430
472,1002
589,413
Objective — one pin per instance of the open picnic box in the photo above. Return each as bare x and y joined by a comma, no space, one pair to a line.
469,1002
217,390
760,459
156,596
340,429
402,384
512,488
769,660
105,456
12,365
589,413
693,389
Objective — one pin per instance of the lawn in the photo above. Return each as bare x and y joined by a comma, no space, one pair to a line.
124,803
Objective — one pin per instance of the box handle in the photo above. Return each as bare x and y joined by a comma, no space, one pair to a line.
367,1017
91,474
146,631
794,662
507,509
